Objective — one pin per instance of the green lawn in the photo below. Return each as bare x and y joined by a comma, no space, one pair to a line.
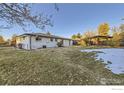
53,66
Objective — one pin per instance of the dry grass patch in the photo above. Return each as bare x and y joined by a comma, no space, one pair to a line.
53,66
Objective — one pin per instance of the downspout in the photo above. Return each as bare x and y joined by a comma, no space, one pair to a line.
30,42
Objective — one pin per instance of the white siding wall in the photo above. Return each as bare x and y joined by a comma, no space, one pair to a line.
24,41
39,43
67,42
71,43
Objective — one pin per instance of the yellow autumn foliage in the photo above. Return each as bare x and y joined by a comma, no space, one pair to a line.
1,39
103,29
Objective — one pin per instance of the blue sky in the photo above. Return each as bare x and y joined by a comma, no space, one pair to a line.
74,18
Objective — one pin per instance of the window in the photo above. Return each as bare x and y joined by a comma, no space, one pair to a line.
23,38
51,39
56,39
44,46
38,38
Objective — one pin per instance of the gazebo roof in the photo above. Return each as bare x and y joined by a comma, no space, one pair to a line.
99,36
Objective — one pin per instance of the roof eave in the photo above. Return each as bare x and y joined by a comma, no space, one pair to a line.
45,36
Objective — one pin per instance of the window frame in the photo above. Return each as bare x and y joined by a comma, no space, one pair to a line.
38,38
56,39
23,38
51,39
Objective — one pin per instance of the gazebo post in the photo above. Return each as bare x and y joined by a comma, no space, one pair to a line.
98,40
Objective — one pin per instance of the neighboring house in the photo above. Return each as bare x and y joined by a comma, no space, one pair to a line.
40,40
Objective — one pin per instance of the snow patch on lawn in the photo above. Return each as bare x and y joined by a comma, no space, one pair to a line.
113,56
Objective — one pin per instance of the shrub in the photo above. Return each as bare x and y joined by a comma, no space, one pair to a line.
59,44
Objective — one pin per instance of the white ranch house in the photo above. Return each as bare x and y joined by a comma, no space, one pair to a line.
40,40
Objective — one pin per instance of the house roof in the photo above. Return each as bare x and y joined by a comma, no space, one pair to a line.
44,35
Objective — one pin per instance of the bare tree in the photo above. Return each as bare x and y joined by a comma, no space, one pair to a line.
121,27
20,14
89,34
87,37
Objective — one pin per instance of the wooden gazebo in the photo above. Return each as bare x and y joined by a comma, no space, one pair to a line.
99,40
